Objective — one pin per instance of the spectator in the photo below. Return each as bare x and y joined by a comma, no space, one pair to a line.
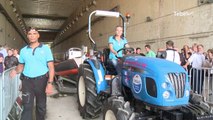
15,53
171,53
1,63
138,51
10,60
197,60
149,52
209,61
208,74
194,48
3,50
184,55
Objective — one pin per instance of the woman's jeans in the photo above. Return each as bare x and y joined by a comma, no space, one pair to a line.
116,65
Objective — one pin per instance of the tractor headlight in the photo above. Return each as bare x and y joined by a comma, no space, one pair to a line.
187,93
164,85
166,94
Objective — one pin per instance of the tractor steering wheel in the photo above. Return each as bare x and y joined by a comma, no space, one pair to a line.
128,50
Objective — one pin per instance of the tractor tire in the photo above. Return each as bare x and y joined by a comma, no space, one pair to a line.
89,106
117,109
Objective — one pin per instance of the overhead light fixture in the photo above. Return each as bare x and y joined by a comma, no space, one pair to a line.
19,19
70,25
17,15
73,22
81,14
93,2
76,19
11,2
87,8
14,9
148,19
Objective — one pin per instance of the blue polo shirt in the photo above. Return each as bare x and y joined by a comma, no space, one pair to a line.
35,61
116,46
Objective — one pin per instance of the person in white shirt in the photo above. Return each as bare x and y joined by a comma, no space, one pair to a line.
171,53
197,60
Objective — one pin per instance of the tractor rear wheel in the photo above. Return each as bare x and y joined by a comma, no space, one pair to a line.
117,109
89,106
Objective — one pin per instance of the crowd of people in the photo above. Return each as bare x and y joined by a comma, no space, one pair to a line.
8,58
188,57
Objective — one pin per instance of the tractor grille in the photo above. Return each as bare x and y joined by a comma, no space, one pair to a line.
178,81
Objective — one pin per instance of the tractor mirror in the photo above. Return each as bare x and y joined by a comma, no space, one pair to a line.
107,13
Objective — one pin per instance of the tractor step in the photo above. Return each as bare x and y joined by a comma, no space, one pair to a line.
104,94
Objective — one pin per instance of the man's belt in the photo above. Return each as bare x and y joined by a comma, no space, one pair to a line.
39,77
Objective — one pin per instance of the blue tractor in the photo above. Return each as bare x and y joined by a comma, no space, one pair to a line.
146,88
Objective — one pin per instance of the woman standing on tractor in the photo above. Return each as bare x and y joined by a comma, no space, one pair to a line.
116,43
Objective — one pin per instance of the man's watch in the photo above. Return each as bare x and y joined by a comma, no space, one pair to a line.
49,82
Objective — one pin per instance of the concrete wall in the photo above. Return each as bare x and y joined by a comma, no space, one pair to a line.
8,35
183,21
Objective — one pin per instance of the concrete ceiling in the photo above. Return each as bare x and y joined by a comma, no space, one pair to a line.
49,16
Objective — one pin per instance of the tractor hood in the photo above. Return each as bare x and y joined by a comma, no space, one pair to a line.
156,81
153,64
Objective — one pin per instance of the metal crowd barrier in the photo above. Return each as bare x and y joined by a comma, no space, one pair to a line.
9,91
202,82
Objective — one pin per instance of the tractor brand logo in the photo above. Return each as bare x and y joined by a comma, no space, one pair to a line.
137,83
125,72
134,63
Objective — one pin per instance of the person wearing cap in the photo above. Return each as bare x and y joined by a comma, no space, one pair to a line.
36,66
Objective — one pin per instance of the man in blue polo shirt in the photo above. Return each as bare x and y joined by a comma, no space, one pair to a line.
36,65
117,42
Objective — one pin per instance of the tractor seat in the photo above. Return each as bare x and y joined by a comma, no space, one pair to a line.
107,63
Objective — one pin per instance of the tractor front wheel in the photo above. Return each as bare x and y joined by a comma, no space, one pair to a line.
89,106
117,109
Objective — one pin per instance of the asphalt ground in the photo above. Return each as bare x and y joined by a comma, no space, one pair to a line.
64,107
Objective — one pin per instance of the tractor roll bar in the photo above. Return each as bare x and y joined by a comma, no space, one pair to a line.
105,14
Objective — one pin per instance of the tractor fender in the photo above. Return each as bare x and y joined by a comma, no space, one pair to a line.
99,73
